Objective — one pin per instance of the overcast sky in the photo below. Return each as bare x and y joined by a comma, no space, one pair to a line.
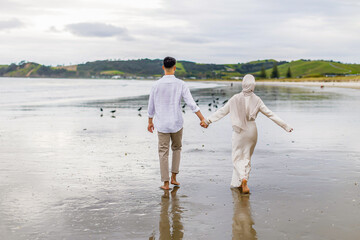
56,32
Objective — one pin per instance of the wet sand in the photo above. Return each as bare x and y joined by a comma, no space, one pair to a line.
69,173
349,84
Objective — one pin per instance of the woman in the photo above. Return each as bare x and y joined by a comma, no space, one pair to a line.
243,108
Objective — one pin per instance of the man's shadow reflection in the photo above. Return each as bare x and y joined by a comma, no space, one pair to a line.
242,227
170,229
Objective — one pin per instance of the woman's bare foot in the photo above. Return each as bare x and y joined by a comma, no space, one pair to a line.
244,186
173,180
165,186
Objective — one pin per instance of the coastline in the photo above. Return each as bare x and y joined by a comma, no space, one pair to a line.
353,83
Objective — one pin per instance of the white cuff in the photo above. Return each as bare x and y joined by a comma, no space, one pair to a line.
196,109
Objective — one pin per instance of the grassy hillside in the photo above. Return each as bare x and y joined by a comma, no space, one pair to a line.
185,69
33,70
302,68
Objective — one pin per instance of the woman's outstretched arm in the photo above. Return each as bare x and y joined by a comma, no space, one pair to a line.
219,114
267,112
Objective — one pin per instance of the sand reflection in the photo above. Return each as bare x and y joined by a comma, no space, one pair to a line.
170,225
242,227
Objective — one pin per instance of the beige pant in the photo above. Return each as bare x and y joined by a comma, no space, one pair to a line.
164,142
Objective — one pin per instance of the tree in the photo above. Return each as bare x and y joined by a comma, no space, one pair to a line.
289,74
263,72
275,71
23,62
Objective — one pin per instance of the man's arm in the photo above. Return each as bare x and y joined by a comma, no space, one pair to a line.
188,99
151,125
202,119
151,111
200,116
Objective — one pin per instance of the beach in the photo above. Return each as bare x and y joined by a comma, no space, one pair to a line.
349,84
71,171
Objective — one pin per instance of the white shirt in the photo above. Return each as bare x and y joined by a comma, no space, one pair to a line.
165,103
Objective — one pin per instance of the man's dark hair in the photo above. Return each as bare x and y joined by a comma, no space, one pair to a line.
169,62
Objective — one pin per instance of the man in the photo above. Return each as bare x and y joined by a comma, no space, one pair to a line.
165,107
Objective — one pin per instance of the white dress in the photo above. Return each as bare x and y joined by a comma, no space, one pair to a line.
244,142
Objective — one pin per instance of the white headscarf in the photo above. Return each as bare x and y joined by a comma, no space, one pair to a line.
239,114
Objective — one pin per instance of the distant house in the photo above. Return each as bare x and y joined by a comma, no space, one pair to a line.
236,78
229,69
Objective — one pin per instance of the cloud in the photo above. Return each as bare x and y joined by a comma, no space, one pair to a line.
97,30
11,24
191,39
203,31
54,29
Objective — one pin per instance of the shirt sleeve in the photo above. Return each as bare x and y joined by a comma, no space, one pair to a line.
267,112
151,104
219,114
188,99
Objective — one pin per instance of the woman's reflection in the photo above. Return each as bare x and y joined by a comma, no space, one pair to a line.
174,229
242,227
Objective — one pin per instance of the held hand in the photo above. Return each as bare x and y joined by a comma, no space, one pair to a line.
151,127
203,124
291,129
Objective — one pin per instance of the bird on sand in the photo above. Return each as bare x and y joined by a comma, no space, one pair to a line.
113,111
184,105
225,101
101,109
139,109
209,104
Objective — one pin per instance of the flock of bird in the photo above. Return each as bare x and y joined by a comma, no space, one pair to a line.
114,111
214,104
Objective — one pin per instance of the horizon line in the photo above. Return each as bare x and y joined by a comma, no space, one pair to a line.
181,60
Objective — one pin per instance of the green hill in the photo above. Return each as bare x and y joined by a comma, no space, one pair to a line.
306,68
185,69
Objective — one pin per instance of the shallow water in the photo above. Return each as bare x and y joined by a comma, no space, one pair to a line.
70,171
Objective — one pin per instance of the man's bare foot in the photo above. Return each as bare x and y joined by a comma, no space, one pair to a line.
244,186
165,186
173,180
